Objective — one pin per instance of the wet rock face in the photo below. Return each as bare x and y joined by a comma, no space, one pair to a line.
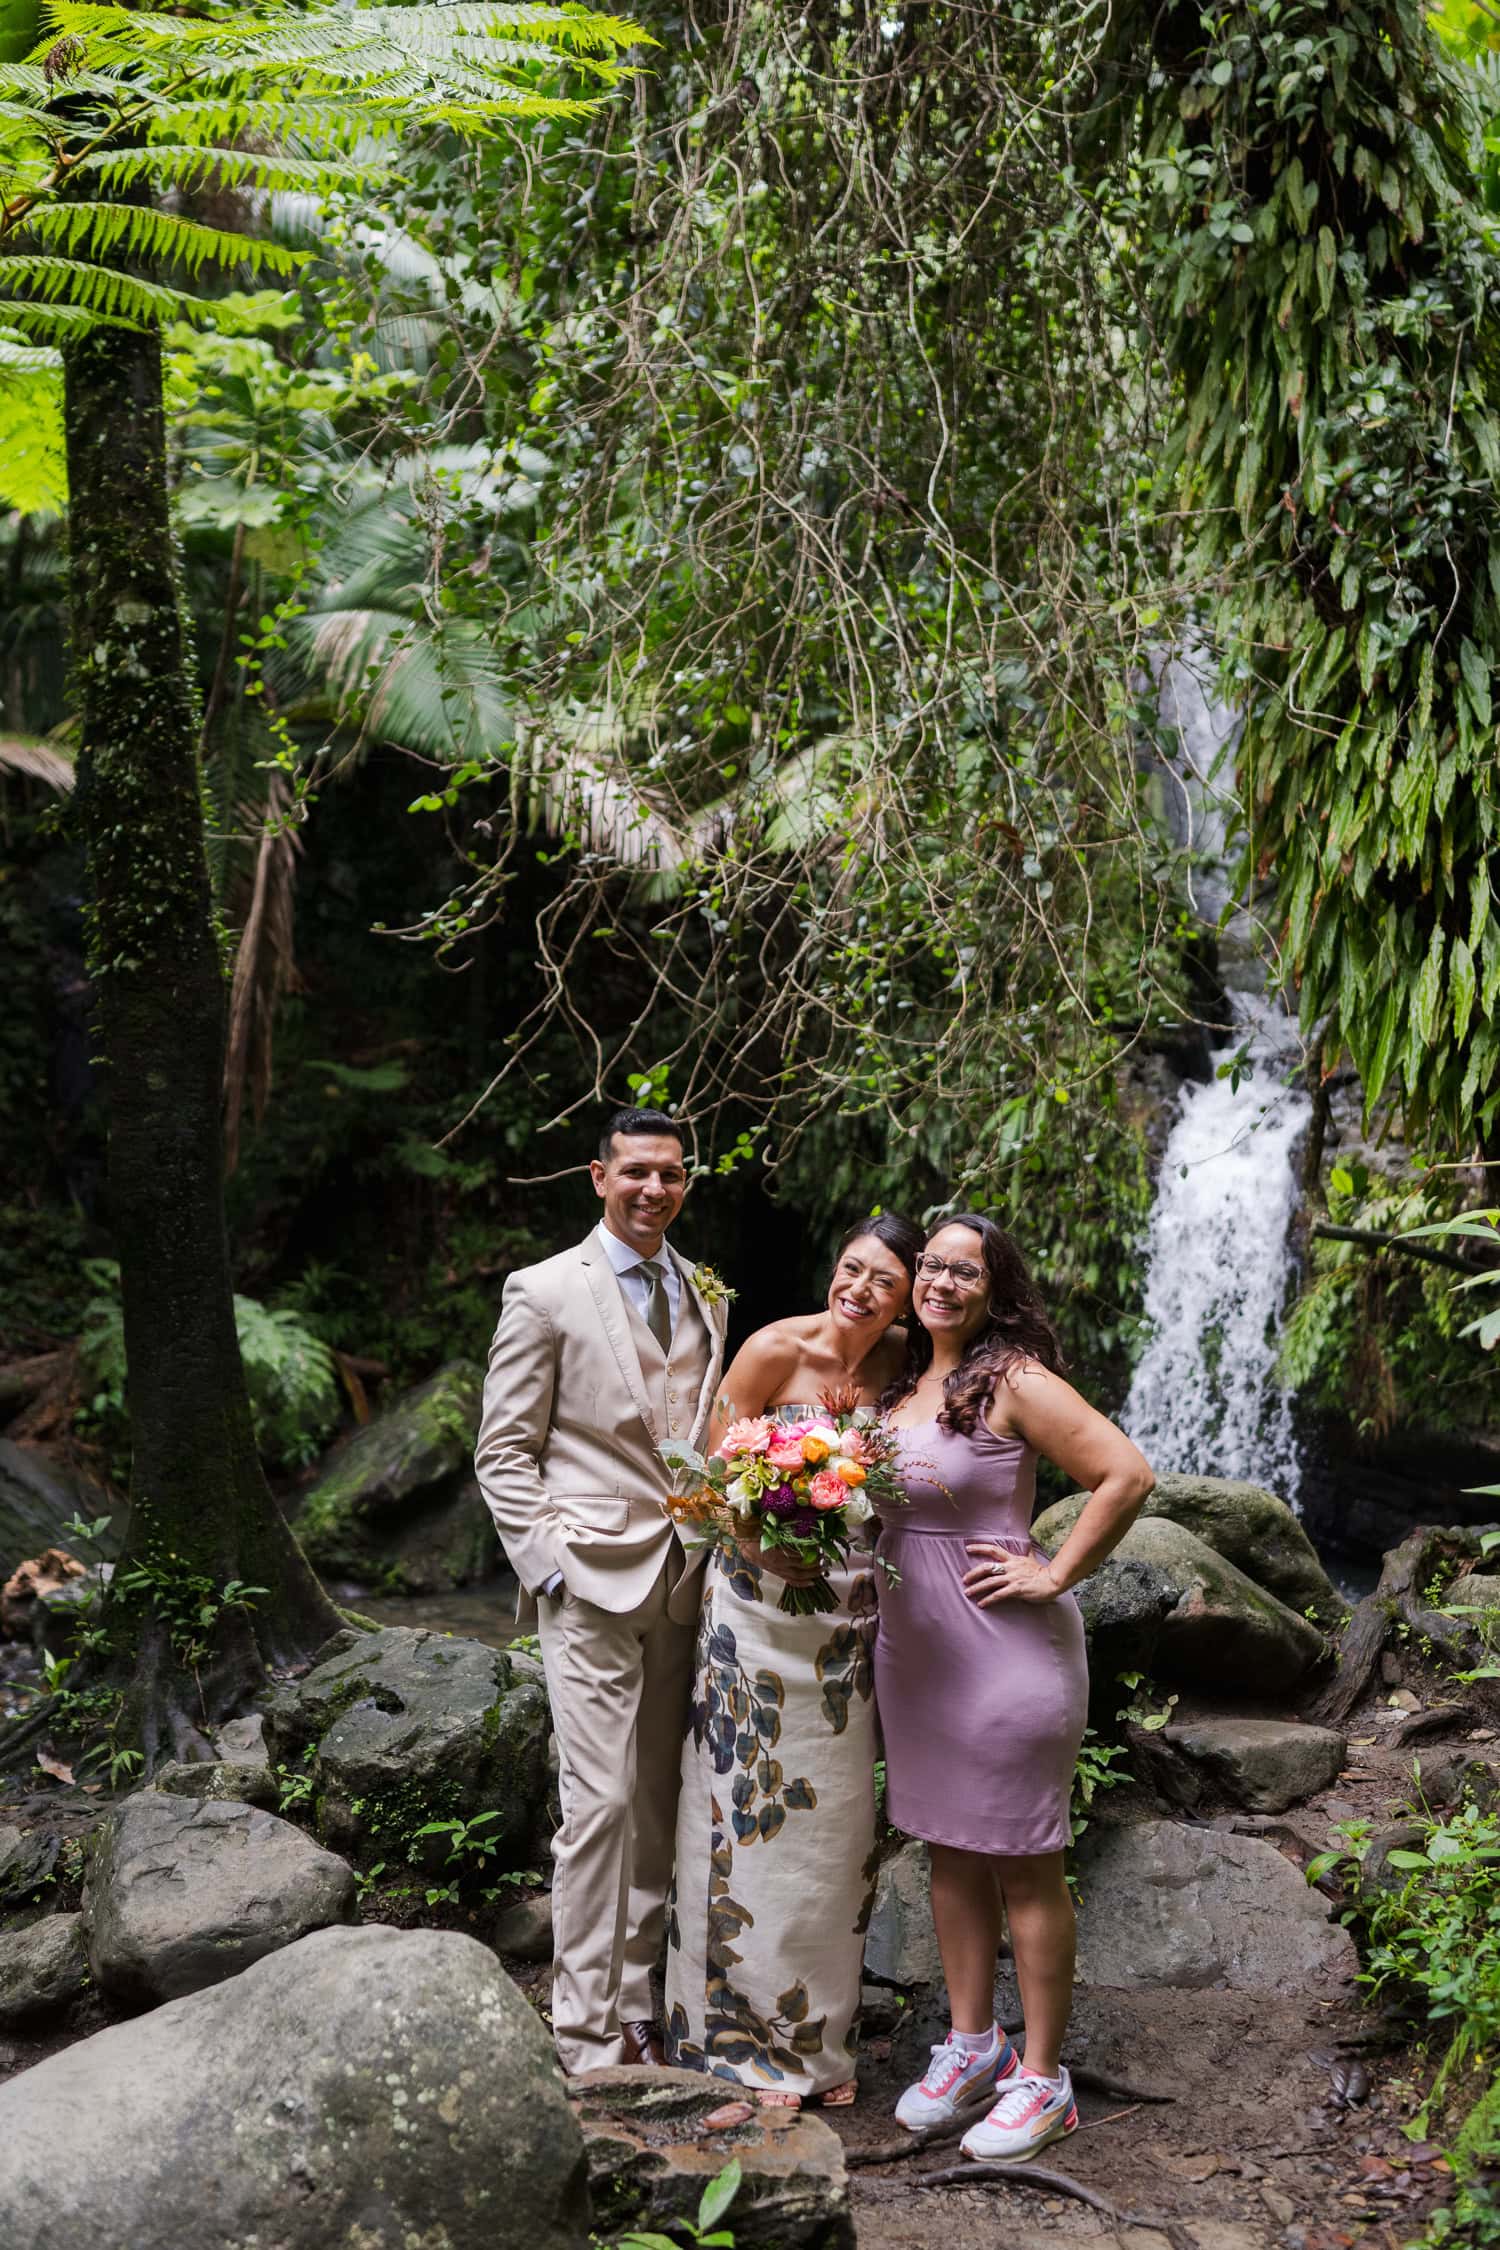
36,1500
181,1894
398,1506
1263,1764
657,2137
1162,1904
43,1970
367,2087
400,1727
1249,1527
27,1857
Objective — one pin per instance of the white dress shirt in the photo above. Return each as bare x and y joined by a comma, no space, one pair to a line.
627,1264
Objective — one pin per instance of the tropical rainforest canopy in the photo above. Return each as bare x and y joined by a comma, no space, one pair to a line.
553,560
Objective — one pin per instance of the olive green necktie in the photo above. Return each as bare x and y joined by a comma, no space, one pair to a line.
658,1311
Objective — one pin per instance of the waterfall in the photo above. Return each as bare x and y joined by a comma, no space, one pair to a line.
1204,1398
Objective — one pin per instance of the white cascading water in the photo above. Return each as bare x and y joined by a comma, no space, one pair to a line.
1204,1398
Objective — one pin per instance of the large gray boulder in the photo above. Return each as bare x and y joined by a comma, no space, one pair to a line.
43,1970
1222,1631
180,1894
398,1506
657,2137
374,2089
1249,1527
401,1727
1125,1603
36,1499
1162,1904
1264,1764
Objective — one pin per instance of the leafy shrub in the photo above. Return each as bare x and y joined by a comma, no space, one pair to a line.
290,1372
1433,1940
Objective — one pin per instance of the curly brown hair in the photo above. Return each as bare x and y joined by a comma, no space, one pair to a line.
1019,1328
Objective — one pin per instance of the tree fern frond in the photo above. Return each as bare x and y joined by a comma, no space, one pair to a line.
177,165
101,291
61,321
17,358
144,232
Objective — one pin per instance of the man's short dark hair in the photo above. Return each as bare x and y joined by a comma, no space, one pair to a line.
630,1121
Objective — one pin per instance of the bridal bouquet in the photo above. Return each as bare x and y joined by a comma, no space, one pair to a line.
801,1488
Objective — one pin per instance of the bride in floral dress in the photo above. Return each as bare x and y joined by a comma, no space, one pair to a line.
776,1821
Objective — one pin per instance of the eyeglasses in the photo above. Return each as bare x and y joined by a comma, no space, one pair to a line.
962,1272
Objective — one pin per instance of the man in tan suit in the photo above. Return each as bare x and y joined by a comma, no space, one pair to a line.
600,1353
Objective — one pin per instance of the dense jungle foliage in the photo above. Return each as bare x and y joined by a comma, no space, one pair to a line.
677,593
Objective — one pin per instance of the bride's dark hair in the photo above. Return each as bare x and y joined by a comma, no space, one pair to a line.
1019,1327
889,1228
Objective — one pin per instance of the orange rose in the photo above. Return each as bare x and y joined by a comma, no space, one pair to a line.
814,1450
851,1472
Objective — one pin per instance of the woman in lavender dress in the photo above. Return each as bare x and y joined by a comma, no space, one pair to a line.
980,1674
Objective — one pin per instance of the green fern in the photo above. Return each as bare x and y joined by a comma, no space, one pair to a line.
314,97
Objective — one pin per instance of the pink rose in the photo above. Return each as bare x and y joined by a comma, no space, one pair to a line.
827,1491
751,1435
783,1453
853,1446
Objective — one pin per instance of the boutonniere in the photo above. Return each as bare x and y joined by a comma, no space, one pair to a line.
712,1287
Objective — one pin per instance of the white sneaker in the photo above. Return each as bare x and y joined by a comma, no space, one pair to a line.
955,2080
1030,2113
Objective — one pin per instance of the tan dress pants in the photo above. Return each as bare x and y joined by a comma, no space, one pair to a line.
619,1687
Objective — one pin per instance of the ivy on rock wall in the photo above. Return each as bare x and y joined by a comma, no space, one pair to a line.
1323,282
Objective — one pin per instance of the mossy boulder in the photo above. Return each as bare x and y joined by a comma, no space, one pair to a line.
1249,1527
1222,1630
397,1728
398,1507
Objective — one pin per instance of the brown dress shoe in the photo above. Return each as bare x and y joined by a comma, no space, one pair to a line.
642,2043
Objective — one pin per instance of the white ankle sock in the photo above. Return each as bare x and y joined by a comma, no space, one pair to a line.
975,2042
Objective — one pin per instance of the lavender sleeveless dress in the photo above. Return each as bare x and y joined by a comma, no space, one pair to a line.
983,1709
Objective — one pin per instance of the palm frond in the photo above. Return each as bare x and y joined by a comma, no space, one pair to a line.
265,968
36,760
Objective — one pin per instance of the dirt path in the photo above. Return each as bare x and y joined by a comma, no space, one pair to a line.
1285,2130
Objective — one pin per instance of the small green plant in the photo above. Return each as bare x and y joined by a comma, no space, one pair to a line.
712,2205
1147,1709
293,1789
1094,1771
186,1600
469,1853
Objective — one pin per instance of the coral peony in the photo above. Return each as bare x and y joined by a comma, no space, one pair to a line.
752,1435
827,1491
784,1452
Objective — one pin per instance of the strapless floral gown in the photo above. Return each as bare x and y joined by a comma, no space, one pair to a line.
775,1831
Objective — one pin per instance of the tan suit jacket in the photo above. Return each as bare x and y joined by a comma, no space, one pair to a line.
567,1458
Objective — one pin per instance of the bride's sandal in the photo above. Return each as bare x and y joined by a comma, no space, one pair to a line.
841,2097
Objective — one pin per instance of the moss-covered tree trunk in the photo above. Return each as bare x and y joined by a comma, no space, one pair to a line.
200,1508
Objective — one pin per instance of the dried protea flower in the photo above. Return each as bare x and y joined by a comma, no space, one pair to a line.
840,1399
